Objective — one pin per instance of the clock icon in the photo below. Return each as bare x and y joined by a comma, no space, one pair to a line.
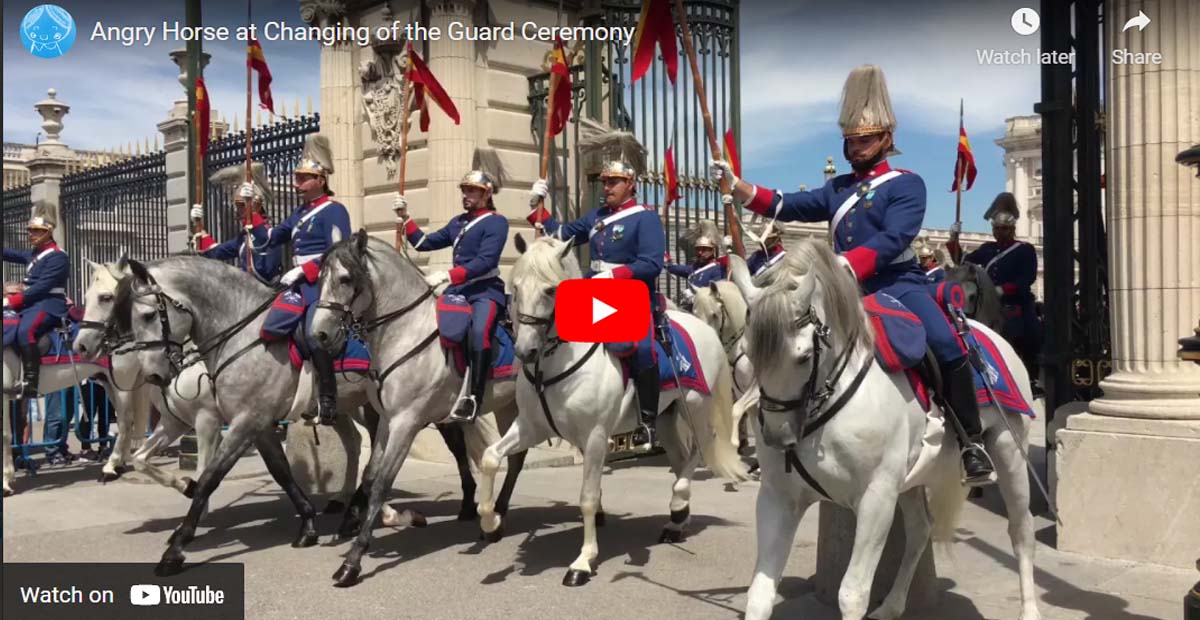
1025,21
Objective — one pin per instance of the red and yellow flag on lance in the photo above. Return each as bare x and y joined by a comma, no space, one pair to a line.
203,112
964,164
731,154
423,83
655,27
257,61
560,108
672,176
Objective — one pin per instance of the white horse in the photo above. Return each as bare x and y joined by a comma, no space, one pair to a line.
188,402
55,377
721,305
877,453
586,401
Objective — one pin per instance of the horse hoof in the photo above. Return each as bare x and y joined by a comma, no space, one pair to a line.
975,493
169,567
8,492
671,536
495,535
305,540
600,519
418,519
346,576
334,507
107,476
189,489
469,512
575,578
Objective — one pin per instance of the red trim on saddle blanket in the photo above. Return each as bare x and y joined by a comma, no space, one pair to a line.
919,388
339,365
54,360
1007,399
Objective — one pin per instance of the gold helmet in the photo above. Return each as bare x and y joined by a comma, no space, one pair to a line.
617,170
1004,210
317,157
924,251
610,153
769,230
38,222
705,242
480,179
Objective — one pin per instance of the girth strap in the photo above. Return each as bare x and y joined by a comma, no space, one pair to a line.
536,379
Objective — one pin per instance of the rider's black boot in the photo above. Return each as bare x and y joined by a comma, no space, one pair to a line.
31,367
960,394
647,385
467,408
326,387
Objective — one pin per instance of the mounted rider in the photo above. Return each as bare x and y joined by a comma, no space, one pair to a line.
707,266
477,237
43,303
626,241
1012,266
770,252
875,213
264,265
931,260
312,228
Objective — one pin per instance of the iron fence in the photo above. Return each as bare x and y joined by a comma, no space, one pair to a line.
17,207
121,207
278,147
659,113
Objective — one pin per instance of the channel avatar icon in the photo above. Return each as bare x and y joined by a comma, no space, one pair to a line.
48,31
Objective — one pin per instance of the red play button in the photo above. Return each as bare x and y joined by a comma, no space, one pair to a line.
602,310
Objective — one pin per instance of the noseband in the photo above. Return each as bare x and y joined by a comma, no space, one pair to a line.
172,349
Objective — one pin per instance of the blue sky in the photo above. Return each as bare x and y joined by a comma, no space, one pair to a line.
795,56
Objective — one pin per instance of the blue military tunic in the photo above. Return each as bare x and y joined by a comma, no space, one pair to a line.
43,303
627,241
311,229
763,261
1013,268
699,275
267,263
874,219
936,275
478,240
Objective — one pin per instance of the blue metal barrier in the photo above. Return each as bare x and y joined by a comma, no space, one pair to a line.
62,412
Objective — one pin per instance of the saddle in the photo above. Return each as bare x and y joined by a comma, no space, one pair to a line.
675,352
55,345
454,323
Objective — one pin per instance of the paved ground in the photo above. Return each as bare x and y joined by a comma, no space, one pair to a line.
442,571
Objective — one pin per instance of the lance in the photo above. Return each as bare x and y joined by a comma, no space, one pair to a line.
248,210
547,133
735,224
959,171
405,114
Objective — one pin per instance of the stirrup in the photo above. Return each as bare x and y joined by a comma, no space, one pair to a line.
461,405
983,479
645,430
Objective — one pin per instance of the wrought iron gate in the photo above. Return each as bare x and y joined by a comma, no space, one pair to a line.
658,113
17,208
114,208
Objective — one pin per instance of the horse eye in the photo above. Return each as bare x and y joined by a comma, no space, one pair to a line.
548,291
106,298
345,280
148,317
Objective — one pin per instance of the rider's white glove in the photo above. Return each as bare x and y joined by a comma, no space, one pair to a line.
845,263
727,242
400,206
197,212
603,275
291,276
720,169
1000,291
956,229
437,278
539,192
246,191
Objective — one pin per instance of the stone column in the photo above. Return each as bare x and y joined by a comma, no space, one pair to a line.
1127,468
341,107
49,163
176,132
450,146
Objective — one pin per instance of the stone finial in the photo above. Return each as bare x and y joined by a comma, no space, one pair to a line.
52,111
322,12
830,170
179,57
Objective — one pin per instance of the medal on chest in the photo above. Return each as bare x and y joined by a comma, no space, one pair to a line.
618,232
868,200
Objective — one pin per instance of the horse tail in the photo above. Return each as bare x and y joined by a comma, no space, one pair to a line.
715,430
946,496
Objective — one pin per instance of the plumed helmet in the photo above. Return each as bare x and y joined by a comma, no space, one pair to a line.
317,157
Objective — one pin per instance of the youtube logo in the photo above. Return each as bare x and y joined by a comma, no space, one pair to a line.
602,310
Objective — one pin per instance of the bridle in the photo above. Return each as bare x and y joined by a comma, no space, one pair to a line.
813,399
535,376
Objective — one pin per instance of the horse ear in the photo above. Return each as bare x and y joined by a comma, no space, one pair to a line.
712,286
123,262
139,271
567,247
360,240
519,241
740,274
94,267
807,283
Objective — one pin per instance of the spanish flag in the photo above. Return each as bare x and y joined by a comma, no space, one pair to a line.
656,26
672,177
203,110
560,108
964,164
731,154
423,82
257,61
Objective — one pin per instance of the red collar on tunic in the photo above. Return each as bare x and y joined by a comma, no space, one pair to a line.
881,168
476,213
49,245
632,202
319,201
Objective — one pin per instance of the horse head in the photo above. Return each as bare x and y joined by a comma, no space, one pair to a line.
542,265
347,290
98,302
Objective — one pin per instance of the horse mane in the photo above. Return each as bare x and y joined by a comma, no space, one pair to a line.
727,293
357,256
544,260
214,288
775,309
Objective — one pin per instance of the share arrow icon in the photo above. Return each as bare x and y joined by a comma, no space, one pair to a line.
1141,21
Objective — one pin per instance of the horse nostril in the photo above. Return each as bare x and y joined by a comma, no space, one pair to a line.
321,337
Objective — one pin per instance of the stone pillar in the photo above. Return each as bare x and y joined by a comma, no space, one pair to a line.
450,146
1127,468
341,108
176,132
49,163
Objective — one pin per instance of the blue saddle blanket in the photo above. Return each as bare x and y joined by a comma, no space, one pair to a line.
683,360
355,357
999,376
899,335
504,355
